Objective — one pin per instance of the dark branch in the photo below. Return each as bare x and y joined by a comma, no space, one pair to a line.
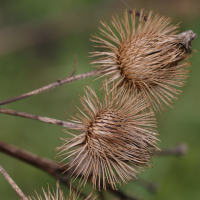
13,184
50,167
30,158
50,86
40,118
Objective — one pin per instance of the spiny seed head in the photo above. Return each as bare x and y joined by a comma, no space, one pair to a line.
59,195
147,56
116,140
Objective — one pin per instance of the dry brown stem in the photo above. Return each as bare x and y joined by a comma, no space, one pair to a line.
178,150
13,184
51,167
48,166
30,158
51,86
40,118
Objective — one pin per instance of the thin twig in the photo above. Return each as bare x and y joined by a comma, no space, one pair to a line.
13,184
75,66
50,167
74,71
42,119
50,86
179,150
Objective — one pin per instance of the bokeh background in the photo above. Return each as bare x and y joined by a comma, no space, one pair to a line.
38,40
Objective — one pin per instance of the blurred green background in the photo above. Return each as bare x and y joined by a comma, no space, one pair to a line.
38,40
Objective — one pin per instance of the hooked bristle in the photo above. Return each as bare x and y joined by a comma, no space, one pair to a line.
59,195
147,56
117,141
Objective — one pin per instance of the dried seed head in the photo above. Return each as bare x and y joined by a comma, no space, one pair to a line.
147,56
59,195
117,138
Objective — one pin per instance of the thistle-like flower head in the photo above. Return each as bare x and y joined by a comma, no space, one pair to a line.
59,195
147,56
116,140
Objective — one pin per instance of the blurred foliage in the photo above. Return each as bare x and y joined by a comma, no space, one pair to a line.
26,69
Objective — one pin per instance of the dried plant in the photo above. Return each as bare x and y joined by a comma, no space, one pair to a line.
59,195
147,56
116,140
116,137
